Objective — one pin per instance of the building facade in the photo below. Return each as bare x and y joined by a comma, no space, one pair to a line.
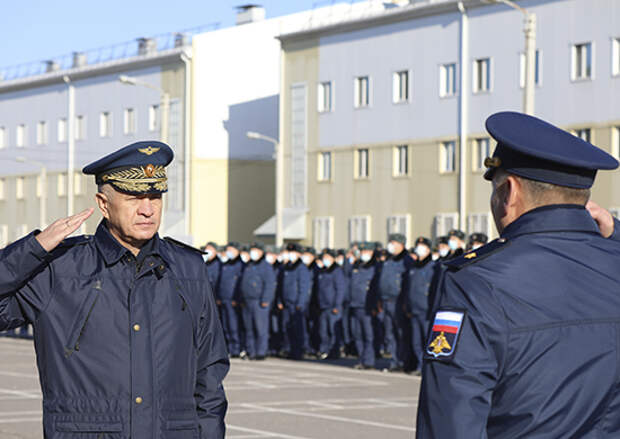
382,116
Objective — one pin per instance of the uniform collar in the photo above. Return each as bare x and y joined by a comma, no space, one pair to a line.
113,251
553,218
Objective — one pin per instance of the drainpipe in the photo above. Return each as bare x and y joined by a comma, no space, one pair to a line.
463,119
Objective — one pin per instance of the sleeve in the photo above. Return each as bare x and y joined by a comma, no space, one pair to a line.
269,285
24,282
341,289
305,287
616,233
212,367
458,383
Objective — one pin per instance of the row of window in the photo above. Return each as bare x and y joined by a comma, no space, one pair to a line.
105,128
582,68
359,227
21,186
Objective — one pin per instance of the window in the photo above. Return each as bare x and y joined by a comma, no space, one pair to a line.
584,134
78,188
2,137
325,97
4,235
362,91
615,142
80,128
444,222
482,150
615,56
129,121
62,130
20,136
359,228
482,75
19,188
325,166
154,118
62,185
447,157
400,161
400,87
537,69
398,224
582,61
2,184
447,80
322,232
41,132
362,166
105,124
479,223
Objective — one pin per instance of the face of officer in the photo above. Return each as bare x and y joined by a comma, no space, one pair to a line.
455,243
256,254
366,256
211,252
231,253
328,260
340,260
395,248
443,250
132,219
307,258
422,251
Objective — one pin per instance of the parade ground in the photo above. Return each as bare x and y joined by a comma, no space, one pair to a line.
270,399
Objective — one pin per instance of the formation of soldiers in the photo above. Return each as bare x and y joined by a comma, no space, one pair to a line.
366,301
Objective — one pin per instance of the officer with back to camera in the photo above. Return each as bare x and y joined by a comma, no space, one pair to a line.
525,341
126,331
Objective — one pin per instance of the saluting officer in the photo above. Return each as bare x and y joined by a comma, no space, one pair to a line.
525,340
126,331
229,297
258,285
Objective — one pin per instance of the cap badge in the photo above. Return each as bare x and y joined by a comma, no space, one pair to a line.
492,162
149,170
149,150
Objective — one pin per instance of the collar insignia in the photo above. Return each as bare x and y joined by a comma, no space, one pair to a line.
470,255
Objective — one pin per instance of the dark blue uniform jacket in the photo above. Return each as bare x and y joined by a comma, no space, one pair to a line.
230,278
419,287
258,282
537,354
363,285
296,285
393,276
123,349
214,268
331,288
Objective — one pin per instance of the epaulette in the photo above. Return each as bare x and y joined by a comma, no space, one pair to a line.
479,254
75,240
183,245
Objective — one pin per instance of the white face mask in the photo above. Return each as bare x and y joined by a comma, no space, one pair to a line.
351,260
230,254
366,257
254,255
280,258
454,244
356,253
293,257
422,251
443,252
245,257
224,258
271,259
327,262
306,259
435,256
391,248
340,261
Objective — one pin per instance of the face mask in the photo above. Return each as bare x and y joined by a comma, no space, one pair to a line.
254,255
306,259
356,253
280,258
391,248
454,244
209,253
435,256
422,251
366,257
245,258
327,262
223,258
340,261
476,246
293,257
230,254
271,259
351,260
205,257
444,252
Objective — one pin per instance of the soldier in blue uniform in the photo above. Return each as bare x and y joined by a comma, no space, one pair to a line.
330,293
213,264
456,242
296,289
363,292
477,240
417,302
392,282
228,298
258,285
126,331
524,342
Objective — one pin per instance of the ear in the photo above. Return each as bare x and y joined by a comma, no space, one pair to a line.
103,204
513,194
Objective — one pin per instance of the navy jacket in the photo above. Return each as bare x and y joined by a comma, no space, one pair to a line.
363,285
537,351
125,348
258,282
419,287
393,276
296,285
214,268
331,288
230,278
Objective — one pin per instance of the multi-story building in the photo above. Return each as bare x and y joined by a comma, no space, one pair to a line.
382,116
41,104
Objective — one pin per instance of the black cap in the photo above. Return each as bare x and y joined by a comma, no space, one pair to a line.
442,240
341,252
292,247
258,245
398,237
456,232
310,250
423,240
478,237
532,148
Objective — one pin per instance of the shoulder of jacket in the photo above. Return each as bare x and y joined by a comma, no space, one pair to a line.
475,256
75,240
183,245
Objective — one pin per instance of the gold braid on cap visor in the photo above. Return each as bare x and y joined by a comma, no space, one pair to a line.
140,179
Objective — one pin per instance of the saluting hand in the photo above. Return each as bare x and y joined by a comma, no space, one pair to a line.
60,229
602,217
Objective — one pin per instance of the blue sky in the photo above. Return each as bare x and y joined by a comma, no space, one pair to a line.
32,30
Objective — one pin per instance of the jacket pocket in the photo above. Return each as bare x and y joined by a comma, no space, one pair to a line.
181,429
89,427
79,324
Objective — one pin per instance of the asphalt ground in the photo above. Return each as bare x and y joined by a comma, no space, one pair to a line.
274,398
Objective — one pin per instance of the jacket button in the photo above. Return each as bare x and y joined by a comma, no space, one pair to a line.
136,327
138,400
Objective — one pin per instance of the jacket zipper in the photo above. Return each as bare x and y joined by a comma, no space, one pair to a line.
75,346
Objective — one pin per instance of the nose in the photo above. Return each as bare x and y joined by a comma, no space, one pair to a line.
146,207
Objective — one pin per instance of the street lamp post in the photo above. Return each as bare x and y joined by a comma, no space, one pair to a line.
529,30
279,181
43,199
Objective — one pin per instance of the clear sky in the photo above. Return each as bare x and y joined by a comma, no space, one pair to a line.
33,30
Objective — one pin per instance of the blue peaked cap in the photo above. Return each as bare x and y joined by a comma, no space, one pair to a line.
532,148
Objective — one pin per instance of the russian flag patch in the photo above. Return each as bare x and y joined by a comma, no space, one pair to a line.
445,333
